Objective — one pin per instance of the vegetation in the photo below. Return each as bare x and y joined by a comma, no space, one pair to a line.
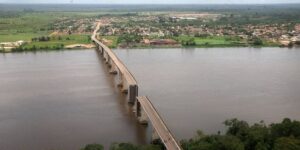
129,38
242,136
239,136
28,22
113,39
129,146
53,42
93,147
210,41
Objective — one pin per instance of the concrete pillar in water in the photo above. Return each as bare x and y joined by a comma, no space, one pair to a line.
141,114
104,55
113,69
101,50
133,93
109,62
124,86
155,136
120,84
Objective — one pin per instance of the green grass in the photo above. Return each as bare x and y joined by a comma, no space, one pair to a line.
114,40
72,39
214,41
26,25
19,36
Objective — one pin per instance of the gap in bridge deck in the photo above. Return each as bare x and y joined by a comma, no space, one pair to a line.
126,108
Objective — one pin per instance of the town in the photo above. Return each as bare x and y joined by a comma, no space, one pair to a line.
155,29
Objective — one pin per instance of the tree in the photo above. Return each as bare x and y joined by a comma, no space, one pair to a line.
287,143
190,41
257,41
2,47
93,147
286,128
129,38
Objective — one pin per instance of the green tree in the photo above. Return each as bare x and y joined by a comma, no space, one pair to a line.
287,143
257,41
93,147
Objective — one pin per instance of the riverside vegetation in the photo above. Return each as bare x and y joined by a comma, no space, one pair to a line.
239,136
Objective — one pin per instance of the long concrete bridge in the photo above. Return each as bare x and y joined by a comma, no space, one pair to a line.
145,111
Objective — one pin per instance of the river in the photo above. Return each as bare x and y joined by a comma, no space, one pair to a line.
66,99
198,89
61,100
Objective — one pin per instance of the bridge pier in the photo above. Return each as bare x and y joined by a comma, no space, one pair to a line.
133,93
155,136
113,69
120,84
145,111
106,57
141,114
101,50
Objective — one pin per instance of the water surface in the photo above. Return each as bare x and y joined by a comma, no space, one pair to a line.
61,100
200,88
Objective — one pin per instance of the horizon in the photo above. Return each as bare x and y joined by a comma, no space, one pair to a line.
4,3
152,2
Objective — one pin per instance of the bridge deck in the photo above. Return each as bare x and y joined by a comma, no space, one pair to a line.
123,69
158,124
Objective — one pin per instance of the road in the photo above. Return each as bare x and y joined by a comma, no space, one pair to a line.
123,69
158,124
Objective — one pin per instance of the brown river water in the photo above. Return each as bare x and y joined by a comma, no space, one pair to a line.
65,99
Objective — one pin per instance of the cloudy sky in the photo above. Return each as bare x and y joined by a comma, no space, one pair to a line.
155,1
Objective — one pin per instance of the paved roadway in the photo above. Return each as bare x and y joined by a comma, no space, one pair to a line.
158,124
123,69
160,127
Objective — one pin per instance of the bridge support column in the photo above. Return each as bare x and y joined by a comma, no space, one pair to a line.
110,62
105,56
123,84
97,46
155,136
101,51
113,69
120,84
133,93
141,114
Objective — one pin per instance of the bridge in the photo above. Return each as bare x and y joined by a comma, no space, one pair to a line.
144,109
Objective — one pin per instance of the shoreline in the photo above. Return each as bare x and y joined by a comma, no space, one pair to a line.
150,47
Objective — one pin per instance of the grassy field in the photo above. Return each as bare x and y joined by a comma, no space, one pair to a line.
19,36
62,41
214,41
26,25
114,40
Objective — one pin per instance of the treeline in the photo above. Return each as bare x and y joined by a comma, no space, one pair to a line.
129,38
35,48
239,136
124,146
48,38
41,39
242,136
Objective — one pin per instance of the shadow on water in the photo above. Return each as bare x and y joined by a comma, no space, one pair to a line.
141,131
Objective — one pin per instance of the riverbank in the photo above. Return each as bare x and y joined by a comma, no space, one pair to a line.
186,42
54,42
91,46
82,41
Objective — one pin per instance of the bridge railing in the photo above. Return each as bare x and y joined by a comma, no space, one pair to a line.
158,123
130,83
120,65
